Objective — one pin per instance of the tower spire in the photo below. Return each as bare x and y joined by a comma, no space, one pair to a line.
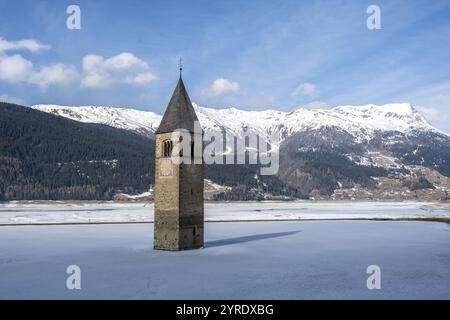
180,113
181,66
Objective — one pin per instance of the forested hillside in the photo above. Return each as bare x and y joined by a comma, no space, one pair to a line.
47,157
43,156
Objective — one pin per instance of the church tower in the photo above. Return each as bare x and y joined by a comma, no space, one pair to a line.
178,186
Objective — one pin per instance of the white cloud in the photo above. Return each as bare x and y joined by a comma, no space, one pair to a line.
221,86
141,78
125,61
431,114
91,62
436,110
305,89
57,74
99,72
15,68
96,80
26,44
316,105
122,61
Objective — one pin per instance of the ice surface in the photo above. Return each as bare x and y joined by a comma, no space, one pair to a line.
241,260
15,213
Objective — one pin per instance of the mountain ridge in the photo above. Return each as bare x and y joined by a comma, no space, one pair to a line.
48,157
370,152
360,121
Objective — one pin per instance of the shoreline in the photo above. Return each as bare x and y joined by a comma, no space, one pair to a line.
444,203
80,213
394,219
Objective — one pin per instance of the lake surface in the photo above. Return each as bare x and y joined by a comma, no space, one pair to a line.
241,260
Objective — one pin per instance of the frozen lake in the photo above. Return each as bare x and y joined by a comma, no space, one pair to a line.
59,212
241,260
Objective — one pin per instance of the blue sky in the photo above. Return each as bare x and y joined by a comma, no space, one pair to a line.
252,54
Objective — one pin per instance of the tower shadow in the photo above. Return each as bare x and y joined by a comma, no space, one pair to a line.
255,237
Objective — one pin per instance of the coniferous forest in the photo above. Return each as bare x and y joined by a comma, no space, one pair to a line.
47,157
43,156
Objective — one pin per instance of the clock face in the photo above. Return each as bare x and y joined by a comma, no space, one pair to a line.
165,167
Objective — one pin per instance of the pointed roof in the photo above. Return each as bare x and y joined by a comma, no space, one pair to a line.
180,113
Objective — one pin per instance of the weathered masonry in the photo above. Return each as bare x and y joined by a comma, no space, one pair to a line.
179,211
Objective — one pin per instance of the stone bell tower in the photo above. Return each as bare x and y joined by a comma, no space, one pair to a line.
178,186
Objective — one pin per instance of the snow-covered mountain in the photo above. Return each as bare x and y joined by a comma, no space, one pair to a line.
359,121
363,152
142,122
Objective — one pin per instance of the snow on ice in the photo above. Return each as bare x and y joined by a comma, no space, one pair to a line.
110,212
251,260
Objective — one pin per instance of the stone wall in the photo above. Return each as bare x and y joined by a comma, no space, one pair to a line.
179,210
166,235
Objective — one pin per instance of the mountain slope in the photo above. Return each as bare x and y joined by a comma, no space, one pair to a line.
48,157
374,152
360,121
144,123
43,156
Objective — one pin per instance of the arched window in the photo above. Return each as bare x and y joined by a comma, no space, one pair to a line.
167,148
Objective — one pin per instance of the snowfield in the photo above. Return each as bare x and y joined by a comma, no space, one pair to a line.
110,212
252,260
275,126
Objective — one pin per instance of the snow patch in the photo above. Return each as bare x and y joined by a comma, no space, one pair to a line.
360,121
